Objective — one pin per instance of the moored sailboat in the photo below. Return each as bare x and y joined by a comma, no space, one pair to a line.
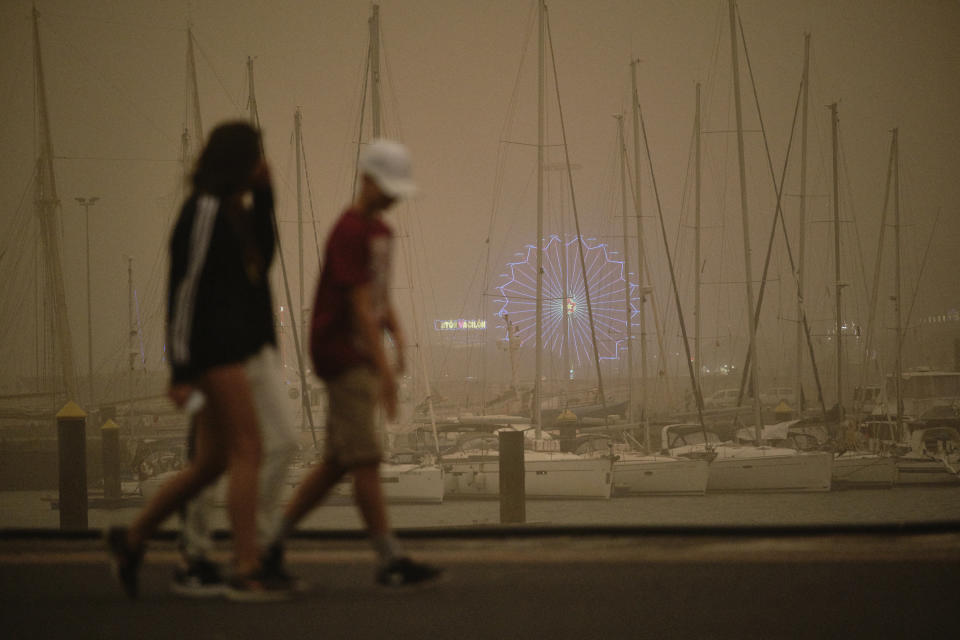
933,457
922,455
639,474
750,468
473,470
863,470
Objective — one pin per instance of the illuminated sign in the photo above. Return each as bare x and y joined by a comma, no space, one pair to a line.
459,325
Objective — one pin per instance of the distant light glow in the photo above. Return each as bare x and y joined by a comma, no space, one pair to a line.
567,298
459,325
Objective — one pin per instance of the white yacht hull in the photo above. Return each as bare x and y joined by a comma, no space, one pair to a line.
660,475
863,470
559,477
922,471
773,473
401,484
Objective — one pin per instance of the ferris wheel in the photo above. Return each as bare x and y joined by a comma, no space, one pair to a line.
565,301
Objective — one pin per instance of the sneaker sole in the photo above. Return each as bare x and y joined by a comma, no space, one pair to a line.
198,592
299,585
236,595
422,585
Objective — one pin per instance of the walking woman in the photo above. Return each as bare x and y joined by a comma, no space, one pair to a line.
221,342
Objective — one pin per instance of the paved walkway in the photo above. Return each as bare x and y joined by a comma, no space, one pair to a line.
538,584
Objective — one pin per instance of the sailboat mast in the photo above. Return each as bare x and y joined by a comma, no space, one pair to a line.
538,366
896,301
193,89
373,60
579,236
626,265
802,226
132,334
185,158
302,309
697,309
252,100
673,281
46,203
375,70
565,280
304,396
131,318
875,290
192,136
744,213
641,258
836,258
298,151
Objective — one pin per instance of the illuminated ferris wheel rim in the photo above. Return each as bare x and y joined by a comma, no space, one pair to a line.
606,278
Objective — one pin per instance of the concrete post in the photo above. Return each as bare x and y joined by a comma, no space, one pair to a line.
513,508
110,459
72,450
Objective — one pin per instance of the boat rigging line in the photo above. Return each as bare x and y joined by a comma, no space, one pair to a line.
673,280
304,395
778,215
576,217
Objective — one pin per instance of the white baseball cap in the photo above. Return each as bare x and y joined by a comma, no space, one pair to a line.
388,164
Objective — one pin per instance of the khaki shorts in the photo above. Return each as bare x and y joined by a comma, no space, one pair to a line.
352,439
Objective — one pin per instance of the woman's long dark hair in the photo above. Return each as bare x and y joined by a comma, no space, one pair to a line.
229,157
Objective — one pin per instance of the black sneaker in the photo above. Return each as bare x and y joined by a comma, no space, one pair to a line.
273,567
404,572
125,559
200,579
257,587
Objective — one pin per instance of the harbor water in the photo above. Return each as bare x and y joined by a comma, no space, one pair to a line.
37,509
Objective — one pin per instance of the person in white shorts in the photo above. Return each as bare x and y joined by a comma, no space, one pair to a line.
199,576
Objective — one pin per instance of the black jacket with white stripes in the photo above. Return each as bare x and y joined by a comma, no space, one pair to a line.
219,307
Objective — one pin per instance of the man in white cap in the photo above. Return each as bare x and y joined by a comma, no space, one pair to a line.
351,311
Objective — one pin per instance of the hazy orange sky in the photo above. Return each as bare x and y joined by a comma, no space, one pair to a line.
116,86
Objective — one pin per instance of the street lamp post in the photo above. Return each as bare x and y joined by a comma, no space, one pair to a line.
86,203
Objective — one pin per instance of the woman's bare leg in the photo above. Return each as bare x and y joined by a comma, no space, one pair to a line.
207,465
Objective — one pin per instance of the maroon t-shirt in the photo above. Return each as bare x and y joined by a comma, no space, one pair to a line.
357,253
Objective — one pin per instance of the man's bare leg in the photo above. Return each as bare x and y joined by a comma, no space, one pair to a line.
311,491
368,494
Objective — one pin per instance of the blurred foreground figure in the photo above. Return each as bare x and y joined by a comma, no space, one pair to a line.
351,311
222,344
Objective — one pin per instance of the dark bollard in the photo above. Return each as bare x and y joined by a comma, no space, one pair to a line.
567,423
110,459
513,506
72,448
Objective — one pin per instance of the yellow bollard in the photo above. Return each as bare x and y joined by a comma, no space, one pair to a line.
72,469
783,412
